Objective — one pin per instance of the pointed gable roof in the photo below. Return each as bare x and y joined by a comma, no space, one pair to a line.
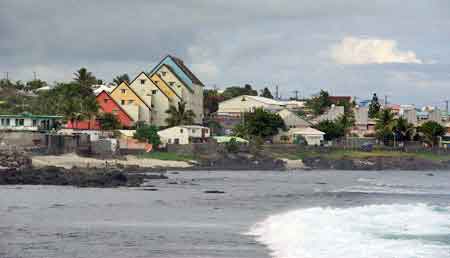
180,69
115,103
131,89
164,86
156,85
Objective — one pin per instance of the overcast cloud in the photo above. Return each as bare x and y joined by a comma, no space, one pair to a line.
350,47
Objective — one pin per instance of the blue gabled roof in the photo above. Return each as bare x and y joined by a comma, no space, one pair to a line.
180,70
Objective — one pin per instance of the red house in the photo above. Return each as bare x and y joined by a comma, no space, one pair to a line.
106,105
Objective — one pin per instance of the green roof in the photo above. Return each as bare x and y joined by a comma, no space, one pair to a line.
29,115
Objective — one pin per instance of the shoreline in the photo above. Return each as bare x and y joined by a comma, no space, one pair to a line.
19,168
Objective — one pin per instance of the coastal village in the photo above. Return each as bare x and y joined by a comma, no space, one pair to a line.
168,111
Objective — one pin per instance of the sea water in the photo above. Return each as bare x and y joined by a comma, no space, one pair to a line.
298,214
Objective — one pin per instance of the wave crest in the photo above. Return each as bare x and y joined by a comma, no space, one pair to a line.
374,231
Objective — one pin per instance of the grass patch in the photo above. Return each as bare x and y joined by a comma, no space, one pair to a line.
166,156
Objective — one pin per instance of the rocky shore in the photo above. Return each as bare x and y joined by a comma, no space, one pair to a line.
17,168
375,163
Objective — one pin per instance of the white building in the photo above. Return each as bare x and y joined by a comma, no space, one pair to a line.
248,103
306,135
292,120
28,122
184,134
331,114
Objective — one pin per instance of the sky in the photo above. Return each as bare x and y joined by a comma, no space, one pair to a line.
396,48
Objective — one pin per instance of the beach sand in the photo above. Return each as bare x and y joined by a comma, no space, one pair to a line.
71,160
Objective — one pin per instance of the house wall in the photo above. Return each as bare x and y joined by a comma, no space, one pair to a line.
169,135
193,96
129,98
163,99
108,105
183,134
27,123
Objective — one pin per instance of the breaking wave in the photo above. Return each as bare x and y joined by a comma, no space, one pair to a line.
374,231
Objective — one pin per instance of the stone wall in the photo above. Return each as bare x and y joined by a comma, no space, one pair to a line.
21,139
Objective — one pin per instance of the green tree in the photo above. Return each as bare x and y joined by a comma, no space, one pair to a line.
108,121
332,129
346,122
319,104
121,78
385,124
35,84
236,91
240,130
266,93
374,106
403,129
179,116
71,100
431,132
149,134
84,77
263,124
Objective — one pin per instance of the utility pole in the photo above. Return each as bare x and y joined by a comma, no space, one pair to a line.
34,75
7,76
385,100
276,92
296,94
446,108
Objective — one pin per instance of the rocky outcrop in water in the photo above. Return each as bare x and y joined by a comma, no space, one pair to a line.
375,163
75,177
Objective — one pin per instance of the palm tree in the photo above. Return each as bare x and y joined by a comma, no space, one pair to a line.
384,126
179,116
432,131
121,78
404,128
85,78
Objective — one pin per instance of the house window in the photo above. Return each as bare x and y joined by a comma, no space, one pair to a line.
171,83
152,105
105,100
34,122
123,91
181,130
194,130
163,73
143,81
154,91
19,122
8,122
170,140
122,102
130,101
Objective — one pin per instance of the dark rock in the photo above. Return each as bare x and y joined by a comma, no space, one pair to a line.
213,192
430,174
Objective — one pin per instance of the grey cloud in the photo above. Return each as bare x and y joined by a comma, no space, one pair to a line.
265,42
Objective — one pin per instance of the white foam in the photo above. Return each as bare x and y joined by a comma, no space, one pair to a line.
360,232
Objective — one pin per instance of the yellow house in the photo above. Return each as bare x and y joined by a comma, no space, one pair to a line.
133,104
156,94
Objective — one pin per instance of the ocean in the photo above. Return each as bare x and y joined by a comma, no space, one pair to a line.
298,214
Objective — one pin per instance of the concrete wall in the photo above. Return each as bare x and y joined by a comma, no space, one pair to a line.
21,139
